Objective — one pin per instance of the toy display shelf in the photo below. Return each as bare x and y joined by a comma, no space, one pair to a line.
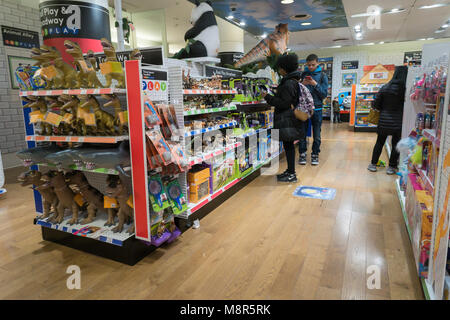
426,180
80,139
250,103
104,234
195,92
431,135
251,133
74,167
72,92
208,155
427,290
215,128
210,110
193,207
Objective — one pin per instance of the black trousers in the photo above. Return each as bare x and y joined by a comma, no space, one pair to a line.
289,148
381,140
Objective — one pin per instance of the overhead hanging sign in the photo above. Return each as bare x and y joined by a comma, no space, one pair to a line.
20,38
350,65
154,84
413,58
225,73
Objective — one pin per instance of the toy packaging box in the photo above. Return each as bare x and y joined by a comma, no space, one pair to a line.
158,196
223,170
410,205
177,198
199,180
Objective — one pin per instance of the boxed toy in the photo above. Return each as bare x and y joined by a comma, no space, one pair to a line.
199,180
177,199
223,170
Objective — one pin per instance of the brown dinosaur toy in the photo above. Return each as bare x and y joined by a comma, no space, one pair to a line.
114,101
69,112
65,197
93,197
42,61
104,120
86,77
53,103
116,189
38,104
135,55
91,57
275,44
67,75
110,53
33,177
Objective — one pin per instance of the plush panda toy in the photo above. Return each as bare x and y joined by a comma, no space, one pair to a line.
203,37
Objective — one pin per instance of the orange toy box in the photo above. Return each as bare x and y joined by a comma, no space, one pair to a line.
199,180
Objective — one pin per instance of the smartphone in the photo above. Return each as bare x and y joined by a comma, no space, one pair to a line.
308,78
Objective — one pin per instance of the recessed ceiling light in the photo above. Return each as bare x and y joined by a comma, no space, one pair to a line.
230,17
287,1
437,5
264,36
382,42
423,39
358,28
430,38
306,23
242,23
395,10
368,44
445,26
439,30
359,35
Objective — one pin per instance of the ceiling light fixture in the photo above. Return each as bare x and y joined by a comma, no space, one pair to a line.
423,39
230,17
439,30
358,28
242,23
359,35
437,5
382,42
430,38
368,44
445,26
264,36
377,13
395,10
287,1
306,23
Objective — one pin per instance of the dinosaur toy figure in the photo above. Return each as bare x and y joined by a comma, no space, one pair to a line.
91,57
42,62
67,76
36,155
93,197
275,44
116,189
135,55
87,125
40,106
114,102
69,112
86,77
33,177
65,197
117,158
110,53
104,120
53,103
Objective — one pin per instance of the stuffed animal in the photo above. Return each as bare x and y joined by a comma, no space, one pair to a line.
203,38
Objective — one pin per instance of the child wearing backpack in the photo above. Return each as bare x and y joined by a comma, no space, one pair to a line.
286,103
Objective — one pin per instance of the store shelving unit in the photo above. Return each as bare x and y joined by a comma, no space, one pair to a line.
85,139
210,110
72,92
361,112
209,155
205,92
215,128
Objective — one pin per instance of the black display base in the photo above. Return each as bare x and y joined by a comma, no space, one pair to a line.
365,129
184,224
131,252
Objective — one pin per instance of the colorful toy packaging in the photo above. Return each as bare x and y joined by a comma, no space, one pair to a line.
177,199
158,196
25,77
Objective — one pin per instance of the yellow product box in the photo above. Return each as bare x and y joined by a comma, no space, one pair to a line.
199,191
111,67
196,177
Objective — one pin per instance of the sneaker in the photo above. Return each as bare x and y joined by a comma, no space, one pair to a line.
302,159
291,178
391,170
315,159
279,176
372,168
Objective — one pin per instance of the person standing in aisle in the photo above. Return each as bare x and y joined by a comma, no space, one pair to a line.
285,98
336,110
317,83
390,101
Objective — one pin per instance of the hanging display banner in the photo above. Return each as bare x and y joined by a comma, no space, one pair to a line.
152,56
350,65
413,58
225,73
83,22
19,38
154,84
378,74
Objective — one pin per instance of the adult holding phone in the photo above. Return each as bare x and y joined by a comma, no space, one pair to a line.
317,83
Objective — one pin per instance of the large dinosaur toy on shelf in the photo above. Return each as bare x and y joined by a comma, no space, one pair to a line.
273,45
104,120
69,111
43,62
114,101
67,75
118,75
116,189
87,76
38,105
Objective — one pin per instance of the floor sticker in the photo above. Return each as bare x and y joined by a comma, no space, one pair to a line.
315,193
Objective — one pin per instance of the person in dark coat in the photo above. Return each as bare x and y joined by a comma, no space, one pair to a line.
390,101
284,100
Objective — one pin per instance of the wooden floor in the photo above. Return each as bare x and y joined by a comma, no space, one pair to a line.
262,243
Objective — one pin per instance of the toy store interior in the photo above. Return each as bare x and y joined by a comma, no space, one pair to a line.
144,144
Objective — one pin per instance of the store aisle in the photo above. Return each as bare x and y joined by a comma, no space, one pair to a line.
262,243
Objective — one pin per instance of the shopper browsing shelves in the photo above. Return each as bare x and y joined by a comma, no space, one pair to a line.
285,97
390,102
336,110
317,83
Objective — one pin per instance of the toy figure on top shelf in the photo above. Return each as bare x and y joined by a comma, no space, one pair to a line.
33,177
103,120
203,38
112,69
116,189
213,83
69,80
120,116
86,77
204,102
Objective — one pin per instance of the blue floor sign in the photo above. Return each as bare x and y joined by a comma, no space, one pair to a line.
315,193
